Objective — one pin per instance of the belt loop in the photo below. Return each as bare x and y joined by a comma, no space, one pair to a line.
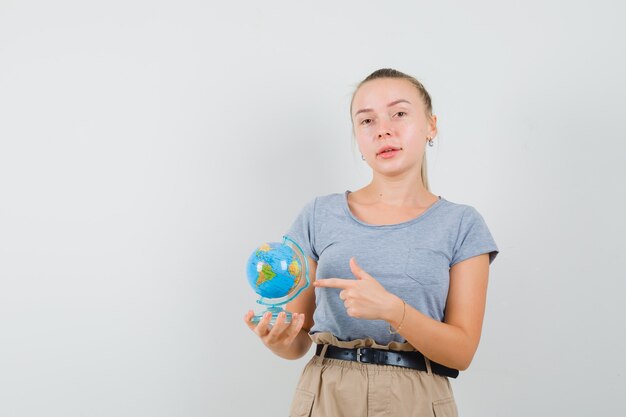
323,352
430,371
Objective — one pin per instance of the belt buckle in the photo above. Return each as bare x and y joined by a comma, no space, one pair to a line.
358,354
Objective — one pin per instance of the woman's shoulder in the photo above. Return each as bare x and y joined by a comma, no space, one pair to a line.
456,213
322,204
327,200
456,207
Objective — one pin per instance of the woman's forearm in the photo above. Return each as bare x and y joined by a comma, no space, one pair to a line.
297,349
440,342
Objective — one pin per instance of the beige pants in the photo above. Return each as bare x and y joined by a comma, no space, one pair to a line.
338,388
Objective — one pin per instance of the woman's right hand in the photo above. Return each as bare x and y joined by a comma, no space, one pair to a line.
280,336
289,340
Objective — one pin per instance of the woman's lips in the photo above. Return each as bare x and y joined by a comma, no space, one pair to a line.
389,154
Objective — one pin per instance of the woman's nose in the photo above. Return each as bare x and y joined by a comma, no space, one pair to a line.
384,131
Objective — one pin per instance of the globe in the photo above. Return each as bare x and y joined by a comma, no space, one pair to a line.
277,272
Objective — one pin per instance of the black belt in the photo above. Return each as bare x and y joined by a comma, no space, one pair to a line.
413,359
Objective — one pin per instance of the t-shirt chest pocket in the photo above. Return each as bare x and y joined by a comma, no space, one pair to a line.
427,267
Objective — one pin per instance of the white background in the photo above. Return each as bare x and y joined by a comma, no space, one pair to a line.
147,147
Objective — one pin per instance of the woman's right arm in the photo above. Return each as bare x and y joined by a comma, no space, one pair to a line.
289,340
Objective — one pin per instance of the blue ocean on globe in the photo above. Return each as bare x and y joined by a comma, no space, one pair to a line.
274,270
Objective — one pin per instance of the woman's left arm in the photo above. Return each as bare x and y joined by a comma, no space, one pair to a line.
452,342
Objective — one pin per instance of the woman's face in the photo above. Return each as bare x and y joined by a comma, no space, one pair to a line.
390,125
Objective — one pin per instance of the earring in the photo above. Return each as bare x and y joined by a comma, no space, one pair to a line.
362,157
430,141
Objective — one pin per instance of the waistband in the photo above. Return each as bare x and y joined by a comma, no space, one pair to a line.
413,359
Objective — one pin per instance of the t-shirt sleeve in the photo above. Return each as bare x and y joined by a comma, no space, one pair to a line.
474,238
302,231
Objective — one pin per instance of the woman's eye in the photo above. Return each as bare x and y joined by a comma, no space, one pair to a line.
401,114
366,121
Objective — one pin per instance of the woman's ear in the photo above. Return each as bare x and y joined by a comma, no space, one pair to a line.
432,126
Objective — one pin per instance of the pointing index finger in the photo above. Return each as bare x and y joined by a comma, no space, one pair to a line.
334,283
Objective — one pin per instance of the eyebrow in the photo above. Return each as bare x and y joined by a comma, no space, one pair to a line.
393,103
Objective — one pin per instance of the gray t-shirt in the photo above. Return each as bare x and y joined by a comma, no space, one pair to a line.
410,259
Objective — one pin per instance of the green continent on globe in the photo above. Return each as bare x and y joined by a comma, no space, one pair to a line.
266,274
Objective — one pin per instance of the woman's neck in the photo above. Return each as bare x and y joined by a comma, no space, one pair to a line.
398,193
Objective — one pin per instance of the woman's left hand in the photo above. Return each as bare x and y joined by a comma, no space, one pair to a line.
364,298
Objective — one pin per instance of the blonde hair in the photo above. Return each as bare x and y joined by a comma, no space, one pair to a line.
392,73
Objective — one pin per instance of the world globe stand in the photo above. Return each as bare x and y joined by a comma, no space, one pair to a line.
274,305
275,310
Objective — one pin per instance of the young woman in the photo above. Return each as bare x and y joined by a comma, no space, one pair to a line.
399,274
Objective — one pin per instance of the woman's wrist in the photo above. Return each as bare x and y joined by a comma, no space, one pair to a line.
395,311
298,348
